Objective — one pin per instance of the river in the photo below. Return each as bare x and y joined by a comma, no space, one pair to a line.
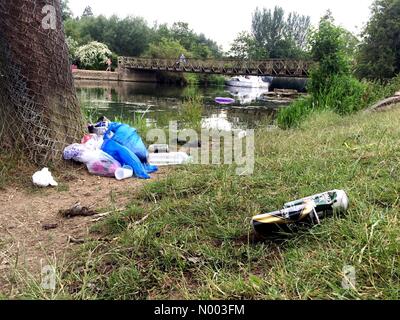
159,104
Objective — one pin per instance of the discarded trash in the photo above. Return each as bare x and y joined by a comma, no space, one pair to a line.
189,144
101,127
77,210
50,226
102,164
169,159
127,137
87,137
124,144
224,101
125,172
75,241
44,179
97,161
109,146
159,148
308,210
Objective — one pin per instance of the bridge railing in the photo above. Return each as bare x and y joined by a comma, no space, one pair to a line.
271,67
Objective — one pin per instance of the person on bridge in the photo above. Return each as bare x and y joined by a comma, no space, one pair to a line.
109,64
182,60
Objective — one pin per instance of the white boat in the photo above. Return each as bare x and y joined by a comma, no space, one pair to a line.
248,82
246,95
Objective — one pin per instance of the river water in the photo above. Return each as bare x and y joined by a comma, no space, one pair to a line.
160,104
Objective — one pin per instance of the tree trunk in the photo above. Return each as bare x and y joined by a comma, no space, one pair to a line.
39,110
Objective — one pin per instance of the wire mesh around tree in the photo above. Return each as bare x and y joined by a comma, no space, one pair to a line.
39,110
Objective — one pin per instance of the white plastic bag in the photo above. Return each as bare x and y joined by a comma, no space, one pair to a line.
97,161
44,179
95,142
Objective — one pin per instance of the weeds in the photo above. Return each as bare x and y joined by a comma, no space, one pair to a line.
191,112
139,122
343,95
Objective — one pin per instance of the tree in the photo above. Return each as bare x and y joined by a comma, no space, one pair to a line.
66,11
268,28
72,48
39,110
129,36
379,54
166,48
297,28
280,37
245,47
88,12
180,32
328,48
332,85
93,56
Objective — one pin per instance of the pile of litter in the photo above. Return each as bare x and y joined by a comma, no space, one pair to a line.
113,149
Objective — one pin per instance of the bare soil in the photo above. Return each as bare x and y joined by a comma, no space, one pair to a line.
33,233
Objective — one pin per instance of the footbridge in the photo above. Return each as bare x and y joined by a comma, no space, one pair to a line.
230,67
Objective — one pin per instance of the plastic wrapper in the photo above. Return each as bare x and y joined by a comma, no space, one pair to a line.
102,164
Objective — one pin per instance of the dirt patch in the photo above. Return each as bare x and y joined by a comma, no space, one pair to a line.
26,240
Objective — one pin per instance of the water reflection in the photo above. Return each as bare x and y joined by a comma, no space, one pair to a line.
160,104
219,121
246,95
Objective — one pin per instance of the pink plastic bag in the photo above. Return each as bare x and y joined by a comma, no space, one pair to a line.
103,165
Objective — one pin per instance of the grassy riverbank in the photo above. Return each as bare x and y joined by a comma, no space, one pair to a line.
197,243
344,95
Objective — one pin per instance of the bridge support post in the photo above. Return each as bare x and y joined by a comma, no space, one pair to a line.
125,74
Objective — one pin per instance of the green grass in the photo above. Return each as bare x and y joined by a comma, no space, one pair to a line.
344,95
197,243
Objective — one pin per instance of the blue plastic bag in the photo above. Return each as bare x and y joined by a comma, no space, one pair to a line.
128,137
124,144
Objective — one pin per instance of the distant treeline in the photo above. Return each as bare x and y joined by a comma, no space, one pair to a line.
374,54
132,36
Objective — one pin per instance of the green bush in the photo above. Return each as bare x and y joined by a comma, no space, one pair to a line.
292,116
93,56
72,48
345,95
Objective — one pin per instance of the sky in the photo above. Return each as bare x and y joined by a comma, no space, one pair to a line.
222,20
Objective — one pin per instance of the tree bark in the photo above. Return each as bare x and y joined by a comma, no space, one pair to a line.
39,110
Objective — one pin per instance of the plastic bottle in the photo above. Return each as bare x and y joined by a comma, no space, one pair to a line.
169,159
159,148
